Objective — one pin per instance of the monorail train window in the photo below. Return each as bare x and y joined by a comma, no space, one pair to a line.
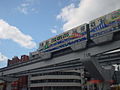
47,43
70,31
82,28
101,20
74,31
53,40
66,35
41,44
92,24
59,37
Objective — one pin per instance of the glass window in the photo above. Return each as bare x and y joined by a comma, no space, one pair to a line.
82,28
74,31
92,24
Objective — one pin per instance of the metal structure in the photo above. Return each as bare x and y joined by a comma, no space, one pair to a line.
100,36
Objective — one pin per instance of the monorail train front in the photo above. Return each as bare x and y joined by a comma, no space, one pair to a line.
105,28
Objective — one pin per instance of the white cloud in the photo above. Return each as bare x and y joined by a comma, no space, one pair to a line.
2,57
23,10
27,7
13,33
85,11
54,31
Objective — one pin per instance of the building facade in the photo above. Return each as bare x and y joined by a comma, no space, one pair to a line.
60,80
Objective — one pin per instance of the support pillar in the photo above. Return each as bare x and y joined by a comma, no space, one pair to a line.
98,72
8,86
104,86
29,76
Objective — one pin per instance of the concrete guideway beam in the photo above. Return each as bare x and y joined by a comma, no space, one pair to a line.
8,78
76,54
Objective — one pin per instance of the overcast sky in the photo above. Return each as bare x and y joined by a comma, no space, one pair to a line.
25,23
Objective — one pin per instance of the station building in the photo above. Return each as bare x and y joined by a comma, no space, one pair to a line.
60,80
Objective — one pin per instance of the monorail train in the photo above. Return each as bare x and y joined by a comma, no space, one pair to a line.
98,31
103,28
78,34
